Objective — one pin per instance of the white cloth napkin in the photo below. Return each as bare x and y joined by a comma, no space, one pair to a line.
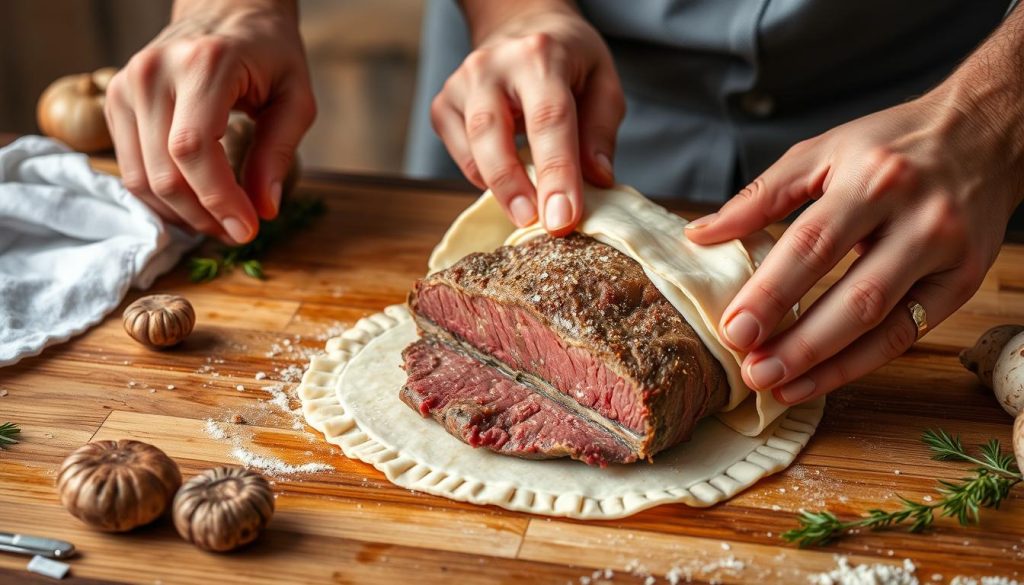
72,242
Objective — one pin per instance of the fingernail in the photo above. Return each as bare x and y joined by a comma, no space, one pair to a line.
236,230
701,222
742,330
796,391
557,212
604,162
766,373
523,210
275,195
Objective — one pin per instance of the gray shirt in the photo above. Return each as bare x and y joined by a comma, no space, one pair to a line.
717,90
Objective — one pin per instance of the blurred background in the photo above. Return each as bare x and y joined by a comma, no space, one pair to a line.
362,56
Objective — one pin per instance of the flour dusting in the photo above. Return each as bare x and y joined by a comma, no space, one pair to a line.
273,465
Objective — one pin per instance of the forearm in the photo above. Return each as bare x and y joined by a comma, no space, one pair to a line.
185,8
484,16
988,87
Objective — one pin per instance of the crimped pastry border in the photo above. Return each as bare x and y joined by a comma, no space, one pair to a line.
324,412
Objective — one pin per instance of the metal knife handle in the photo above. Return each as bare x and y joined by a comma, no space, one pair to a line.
37,545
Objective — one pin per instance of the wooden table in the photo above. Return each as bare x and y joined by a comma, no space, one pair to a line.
351,526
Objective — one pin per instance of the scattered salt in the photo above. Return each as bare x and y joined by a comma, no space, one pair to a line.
261,375
961,580
272,465
876,574
213,429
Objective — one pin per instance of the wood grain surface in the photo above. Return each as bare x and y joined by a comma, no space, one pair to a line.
349,525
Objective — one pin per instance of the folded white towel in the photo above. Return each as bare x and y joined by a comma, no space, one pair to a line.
72,242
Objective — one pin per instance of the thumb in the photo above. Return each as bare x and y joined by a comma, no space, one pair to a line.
799,176
601,109
279,128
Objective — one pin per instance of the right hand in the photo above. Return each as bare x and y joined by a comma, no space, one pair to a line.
546,70
169,106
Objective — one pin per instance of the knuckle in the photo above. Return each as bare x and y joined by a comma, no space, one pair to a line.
551,115
144,67
804,350
888,169
477,63
470,169
480,124
813,246
753,191
898,338
185,144
207,52
136,182
768,291
538,44
944,222
167,185
866,302
556,167
503,177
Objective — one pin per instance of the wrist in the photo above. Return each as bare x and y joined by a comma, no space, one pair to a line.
223,8
987,110
484,17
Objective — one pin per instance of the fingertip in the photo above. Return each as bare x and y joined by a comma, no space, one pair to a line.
561,214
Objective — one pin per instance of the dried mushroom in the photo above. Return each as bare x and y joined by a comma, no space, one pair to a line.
117,485
224,508
159,320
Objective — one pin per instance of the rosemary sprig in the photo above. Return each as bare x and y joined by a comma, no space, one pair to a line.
295,214
995,475
8,434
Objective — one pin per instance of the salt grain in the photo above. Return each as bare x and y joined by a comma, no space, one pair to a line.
261,375
3,392
240,388
170,386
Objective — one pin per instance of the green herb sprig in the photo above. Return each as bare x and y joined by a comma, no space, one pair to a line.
8,434
295,214
995,474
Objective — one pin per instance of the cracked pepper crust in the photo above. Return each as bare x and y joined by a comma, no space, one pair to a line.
598,299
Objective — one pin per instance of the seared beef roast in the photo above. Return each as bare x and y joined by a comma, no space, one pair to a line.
560,346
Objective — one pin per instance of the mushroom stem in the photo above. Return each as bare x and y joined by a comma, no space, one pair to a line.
1018,440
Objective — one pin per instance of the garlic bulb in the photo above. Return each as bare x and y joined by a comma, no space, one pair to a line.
224,508
159,320
117,485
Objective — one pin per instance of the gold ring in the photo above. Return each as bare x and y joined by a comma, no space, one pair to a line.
920,317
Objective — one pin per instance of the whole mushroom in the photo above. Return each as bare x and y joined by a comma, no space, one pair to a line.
998,360
117,485
223,508
159,321
71,110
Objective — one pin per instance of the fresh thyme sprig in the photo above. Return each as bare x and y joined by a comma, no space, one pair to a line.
8,434
995,475
295,214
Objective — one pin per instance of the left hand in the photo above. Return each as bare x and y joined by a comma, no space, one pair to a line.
921,191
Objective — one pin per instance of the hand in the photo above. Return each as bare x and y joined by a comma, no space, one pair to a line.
169,106
922,192
545,70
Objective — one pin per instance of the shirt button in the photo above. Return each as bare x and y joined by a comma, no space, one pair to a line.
756,104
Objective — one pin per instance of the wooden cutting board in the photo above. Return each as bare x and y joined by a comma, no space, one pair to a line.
350,525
